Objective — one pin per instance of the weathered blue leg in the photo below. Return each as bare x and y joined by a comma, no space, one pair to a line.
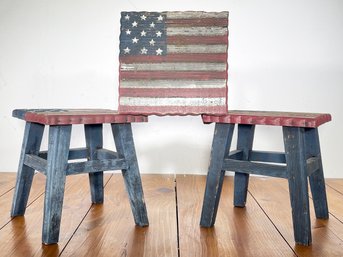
58,149
244,143
317,181
220,147
294,140
31,144
94,142
125,146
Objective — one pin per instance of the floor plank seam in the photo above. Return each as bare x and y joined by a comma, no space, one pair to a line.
6,191
333,215
177,218
84,217
271,221
11,218
333,188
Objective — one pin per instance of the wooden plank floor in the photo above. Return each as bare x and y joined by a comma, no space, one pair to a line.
263,228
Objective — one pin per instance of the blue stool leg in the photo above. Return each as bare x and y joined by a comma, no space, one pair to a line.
94,141
220,147
31,144
317,181
244,143
125,146
294,140
58,150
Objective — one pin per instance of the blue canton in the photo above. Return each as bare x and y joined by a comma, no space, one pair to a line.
143,33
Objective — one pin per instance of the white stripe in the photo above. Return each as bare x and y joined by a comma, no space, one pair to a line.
196,31
197,49
173,66
217,83
146,101
195,15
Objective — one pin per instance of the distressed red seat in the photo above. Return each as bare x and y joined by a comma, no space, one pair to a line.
54,162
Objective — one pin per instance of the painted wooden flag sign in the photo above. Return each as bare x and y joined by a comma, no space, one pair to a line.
173,63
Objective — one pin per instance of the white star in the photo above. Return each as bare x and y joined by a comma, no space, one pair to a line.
160,18
144,50
159,51
143,17
152,25
158,33
127,50
135,40
128,32
152,42
134,24
127,17
143,33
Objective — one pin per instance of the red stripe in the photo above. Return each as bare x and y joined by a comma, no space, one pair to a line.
173,75
194,40
173,110
173,92
175,58
201,22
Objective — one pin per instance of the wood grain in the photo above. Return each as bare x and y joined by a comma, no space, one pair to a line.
335,202
109,230
7,181
336,184
325,241
27,230
237,232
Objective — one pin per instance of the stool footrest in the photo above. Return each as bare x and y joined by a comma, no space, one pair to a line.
116,163
96,166
257,168
74,153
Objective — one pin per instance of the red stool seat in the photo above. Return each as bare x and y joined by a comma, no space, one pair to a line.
289,119
75,116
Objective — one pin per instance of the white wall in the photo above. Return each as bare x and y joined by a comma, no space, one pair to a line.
283,55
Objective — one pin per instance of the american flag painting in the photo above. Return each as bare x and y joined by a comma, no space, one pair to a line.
173,63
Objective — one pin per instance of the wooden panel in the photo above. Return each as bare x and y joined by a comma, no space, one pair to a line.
37,190
75,116
174,60
292,119
27,230
325,240
237,232
109,229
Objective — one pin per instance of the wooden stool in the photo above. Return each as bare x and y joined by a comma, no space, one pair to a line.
54,162
302,159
